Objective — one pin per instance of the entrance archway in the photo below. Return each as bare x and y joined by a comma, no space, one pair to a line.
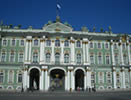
79,79
34,79
57,79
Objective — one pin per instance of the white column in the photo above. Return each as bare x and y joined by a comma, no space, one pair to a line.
30,48
72,46
66,82
52,54
121,53
85,81
114,77
28,84
62,52
88,78
87,53
84,52
130,76
25,79
46,80
40,81
123,78
26,50
73,80
112,52
128,50
42,47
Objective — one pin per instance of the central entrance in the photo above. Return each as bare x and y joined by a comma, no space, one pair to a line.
57,79
34,79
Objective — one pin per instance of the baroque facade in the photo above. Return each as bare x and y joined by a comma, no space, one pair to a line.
58,57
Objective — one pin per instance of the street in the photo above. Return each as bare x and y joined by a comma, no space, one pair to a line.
126,95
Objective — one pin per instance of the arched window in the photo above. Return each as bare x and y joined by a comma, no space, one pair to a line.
66,43
22,42
4,42
92,59
12,57
91,45
99,45
48,42
101,77
19,77
1,77
99,59
78,44
92,78
13,42
57,58
48,58
11,75
3,57
118,77
66,58
106,46
21,57
108,75
107,59
78,58
57,43
35,57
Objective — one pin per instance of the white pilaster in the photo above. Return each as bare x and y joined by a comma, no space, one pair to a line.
121,53
72,46
123,78
40,82
30,48
87,53
62,52
25,79
112,52
130,76
52,54
42,47
71,79
114,77
66,82
88,78
84,52
26,50
128,50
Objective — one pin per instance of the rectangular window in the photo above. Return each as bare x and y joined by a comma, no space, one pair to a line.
108,77
13,42
48,42
35,42
3,57
106,46
19,78
78,58
35,58
91,45
4,42
115,46
1,77
22,42
10,77
123,46
21,57
92,59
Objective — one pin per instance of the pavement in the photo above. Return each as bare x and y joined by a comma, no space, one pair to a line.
56,95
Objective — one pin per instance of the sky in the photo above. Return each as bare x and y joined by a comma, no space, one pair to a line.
78,13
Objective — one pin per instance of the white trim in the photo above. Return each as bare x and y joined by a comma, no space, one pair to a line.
6,41
18,88
10,56
20,43
19,72
10,87
19,57
5,56
34,67
12,76
38,42
1,87
11,42
3,71
78,69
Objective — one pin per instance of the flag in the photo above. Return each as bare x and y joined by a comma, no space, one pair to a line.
58,6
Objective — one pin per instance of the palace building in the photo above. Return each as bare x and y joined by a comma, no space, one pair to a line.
58,57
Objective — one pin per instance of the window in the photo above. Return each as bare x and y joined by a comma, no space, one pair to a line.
48,58
3,57
92,59
107,59
78,58
1,77
57,43
35,57
123,46
116,59
12,57
48,42
20,57
22,42
92,77
10,77
118,77
66,43
99,59
13,42
35,42
130,47
20,78
101,77
4,42
99,45
91,45
106,46
108,75
115,46
66,58
125,59
57,58
78,44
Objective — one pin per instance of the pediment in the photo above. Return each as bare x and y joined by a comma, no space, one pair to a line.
57,27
